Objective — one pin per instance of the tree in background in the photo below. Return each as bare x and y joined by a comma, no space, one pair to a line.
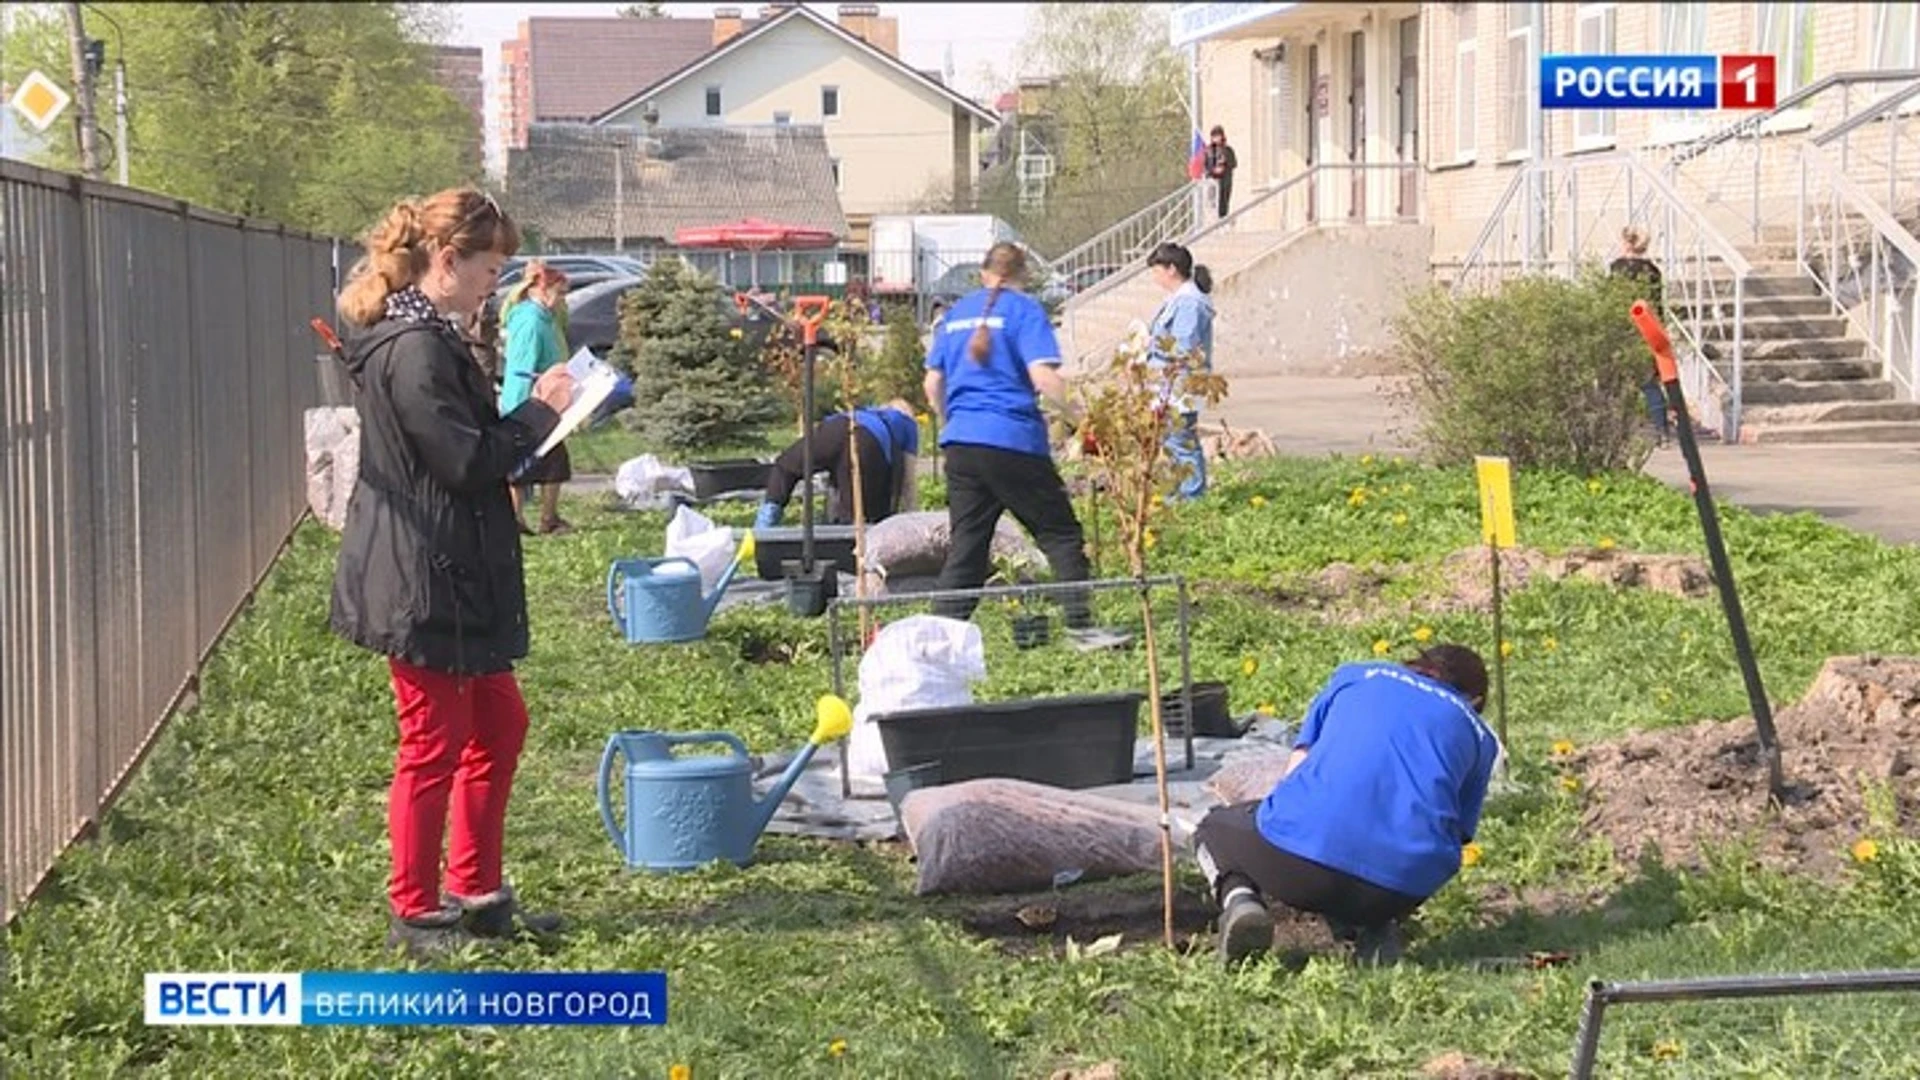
695,385
1115,119
315,115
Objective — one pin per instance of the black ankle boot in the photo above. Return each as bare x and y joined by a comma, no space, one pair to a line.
427,936
499,915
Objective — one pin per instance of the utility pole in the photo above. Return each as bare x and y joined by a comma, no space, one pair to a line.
83,93
619,200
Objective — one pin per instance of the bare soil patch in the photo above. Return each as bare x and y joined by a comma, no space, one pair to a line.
1686,790
1349,594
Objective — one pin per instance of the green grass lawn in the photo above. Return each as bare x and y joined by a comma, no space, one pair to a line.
253,839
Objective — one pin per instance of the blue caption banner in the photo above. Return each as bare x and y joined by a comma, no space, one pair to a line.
386,998
1629,82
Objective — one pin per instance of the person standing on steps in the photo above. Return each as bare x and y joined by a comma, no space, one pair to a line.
535,343
887,439
429,573
993,356
1218,165
1382,794
1185,323
1633,263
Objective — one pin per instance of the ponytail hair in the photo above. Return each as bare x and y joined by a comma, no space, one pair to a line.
399,246
1181,260
1007,262
1203,279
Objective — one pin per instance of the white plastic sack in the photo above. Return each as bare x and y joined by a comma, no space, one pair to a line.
645,483
920,662
1011,836
915,545
692,535
333,462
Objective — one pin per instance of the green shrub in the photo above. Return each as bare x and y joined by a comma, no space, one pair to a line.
695,385
1547,372
899,369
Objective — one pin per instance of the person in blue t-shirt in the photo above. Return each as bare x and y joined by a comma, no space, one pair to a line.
887,439
1382,793
993,356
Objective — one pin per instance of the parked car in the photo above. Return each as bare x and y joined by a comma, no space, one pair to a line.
593,316
575,267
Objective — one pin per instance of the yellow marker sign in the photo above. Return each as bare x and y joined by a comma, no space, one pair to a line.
1496,500
40,100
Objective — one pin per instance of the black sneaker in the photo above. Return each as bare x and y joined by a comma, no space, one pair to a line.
1379,946
499,915
429,936
1246,929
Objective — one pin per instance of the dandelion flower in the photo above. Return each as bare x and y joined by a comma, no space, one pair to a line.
1562,748
734,333
1423,633
1149,539
1266,708
1606,543
1865,851
1382,647
680,1072
1665,1050
837,1048
1595,486
1257,501
1250,665
1551,643
1506,648
1366,459
1357,497
1399,519
1406,489
1470,854
1569,783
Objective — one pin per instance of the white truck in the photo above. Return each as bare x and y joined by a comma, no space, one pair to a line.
931,255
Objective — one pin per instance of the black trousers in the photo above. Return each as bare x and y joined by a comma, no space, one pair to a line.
981,483
1226,192
1243,857
830,456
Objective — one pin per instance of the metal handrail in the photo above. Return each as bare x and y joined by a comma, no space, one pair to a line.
1166,218
1750,124
1157,207
1849,200
1488,231
1874,112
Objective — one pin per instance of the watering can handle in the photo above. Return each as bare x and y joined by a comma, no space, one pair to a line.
691,737
607,757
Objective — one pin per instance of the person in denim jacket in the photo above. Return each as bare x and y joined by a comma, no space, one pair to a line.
1185,319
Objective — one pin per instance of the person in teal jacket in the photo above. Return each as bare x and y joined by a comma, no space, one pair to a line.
535,343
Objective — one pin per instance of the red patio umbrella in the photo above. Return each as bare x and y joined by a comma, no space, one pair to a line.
755,235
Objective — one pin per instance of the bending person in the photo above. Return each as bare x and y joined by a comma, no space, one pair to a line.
887,439
993,356
1186,320
1382,793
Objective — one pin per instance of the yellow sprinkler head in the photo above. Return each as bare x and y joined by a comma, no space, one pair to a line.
745,554
833,719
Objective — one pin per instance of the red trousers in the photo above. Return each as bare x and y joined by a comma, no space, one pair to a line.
460,740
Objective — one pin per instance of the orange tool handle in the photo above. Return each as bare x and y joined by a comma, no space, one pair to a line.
1649,326
810,312
327,335
740,300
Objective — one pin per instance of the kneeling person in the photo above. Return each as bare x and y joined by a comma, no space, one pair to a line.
887,439
1382,792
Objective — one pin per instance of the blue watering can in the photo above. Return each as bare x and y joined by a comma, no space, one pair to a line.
658,600
685,812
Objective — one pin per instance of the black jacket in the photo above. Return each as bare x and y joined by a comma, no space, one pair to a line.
429,568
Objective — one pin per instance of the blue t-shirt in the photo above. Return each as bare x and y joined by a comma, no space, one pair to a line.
892,429
994,403
1396,771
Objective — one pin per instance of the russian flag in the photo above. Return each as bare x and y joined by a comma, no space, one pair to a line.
1196,159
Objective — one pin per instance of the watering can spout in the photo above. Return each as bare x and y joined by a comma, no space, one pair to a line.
833,719
740,558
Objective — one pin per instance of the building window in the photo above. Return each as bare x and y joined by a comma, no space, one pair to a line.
713,101
836,174
1520,96
1466,51
782,119
1594,37
1896,36
829,101
1786,31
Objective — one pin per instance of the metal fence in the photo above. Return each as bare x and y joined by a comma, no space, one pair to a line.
155,364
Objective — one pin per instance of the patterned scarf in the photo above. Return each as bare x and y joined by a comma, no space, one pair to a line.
411,305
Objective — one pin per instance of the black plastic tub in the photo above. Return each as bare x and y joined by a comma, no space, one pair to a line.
1211,716
712,479
772,547
1081,741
